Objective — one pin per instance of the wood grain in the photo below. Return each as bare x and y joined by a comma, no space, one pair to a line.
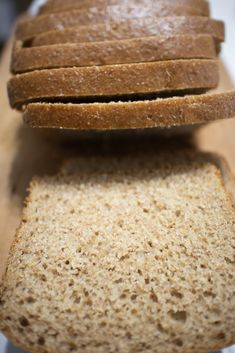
25,152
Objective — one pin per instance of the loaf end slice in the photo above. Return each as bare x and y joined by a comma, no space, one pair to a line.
135,28
58,6
124,254
31,27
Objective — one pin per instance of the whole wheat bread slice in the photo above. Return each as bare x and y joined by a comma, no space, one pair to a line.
147,49
130,254
166,112
30,27
52,6
142,27
112,81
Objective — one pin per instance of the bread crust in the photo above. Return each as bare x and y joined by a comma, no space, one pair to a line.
147,49
33,26
113,81
165,26
131,115
52,6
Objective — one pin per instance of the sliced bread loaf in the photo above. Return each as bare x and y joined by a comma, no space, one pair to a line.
131,254
126,29
112,81
53,6
30,27
137,50
166,112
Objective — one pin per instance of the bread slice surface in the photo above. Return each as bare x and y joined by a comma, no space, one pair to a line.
131,253
126,29
113,81
146,49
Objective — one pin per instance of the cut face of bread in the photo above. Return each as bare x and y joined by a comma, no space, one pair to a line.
128,254
168,112
30,27
127,29
113,81
52,6
147,49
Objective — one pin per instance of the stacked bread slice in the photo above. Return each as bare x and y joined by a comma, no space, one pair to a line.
118,64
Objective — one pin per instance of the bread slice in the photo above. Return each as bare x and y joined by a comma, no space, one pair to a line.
166,112
147,49
53,6
30,27
112,81
166,26
128,254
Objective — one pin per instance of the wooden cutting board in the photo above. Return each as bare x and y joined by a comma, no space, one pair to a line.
26,152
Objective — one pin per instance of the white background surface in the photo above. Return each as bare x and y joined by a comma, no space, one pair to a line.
221,9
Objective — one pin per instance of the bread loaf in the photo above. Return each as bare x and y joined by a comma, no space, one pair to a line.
130,254
112,81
